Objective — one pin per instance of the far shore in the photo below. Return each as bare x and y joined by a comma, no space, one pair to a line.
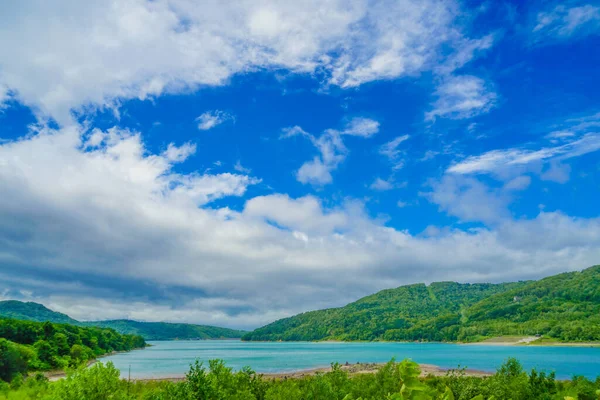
496,341
529,341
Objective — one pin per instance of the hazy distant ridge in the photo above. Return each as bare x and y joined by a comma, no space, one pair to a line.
148,330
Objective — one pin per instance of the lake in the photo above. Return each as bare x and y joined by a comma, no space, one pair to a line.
172,358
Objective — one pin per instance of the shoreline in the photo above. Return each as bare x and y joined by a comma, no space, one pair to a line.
352,369
513,341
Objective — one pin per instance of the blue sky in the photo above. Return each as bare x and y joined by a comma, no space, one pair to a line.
233,164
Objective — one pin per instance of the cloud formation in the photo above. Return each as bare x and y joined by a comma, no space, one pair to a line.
498,161
85,214
460,97
564,21
66,55
211,119
331,148
391,150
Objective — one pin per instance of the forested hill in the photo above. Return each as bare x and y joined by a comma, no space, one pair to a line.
565,307
40,346
387,315
33,312
169,331
148,330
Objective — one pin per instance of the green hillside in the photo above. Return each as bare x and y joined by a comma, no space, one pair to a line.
564,307
27,346
393,314
32,312
168,331
148,330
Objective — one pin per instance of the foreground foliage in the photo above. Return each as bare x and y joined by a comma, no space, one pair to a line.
36,346
564,307
148,330
394,381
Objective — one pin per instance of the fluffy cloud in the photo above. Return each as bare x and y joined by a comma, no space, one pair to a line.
211,119
381,184
305,214
469,199
460,97
81,224
331,148
67,55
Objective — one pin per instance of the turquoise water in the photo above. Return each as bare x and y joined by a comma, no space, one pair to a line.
172,358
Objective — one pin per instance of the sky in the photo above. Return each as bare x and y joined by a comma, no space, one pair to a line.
232,163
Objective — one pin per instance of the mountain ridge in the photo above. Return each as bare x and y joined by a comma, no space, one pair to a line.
564,307
31,311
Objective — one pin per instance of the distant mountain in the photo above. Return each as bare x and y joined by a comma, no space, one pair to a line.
564,307
148,330
168,331
33,312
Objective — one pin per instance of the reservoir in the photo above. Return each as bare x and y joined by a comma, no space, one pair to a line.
173,358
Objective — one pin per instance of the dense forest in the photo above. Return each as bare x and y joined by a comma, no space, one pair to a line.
169,331
564,307
30,311
394,381
40,346
148,330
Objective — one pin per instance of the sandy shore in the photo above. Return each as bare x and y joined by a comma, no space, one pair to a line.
352,369
528,341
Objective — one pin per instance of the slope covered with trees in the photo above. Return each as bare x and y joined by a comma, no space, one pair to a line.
40,346
148,330
33,312
393,314
169,331
564,307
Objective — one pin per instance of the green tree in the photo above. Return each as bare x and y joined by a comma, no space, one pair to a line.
13,360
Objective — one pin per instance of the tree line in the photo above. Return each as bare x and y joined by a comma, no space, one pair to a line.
40,346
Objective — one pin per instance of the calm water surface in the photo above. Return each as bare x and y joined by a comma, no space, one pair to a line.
172,358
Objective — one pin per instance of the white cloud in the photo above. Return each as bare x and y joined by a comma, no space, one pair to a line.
305,214
519,183
173,153
460,97
469,200
364,127
240,168
331,148
563,21
108,215
557,172
4,96
211,119
381,185
392,152
496,161
315,172
66,55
